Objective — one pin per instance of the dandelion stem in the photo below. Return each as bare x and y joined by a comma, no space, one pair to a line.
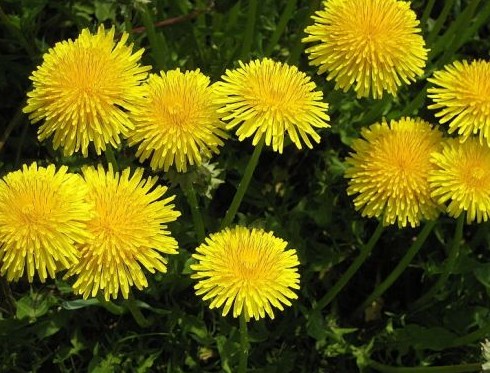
110,306
190,194
448,266
136,312
462,368
243,186
242,366
402,265
351,271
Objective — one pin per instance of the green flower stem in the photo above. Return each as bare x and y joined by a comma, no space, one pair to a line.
402,265
249,30
136,312
243,186
354,267
476,367
110,306
111,158
190,194
448,266
242,365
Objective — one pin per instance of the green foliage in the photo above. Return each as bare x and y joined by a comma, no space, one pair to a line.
299,194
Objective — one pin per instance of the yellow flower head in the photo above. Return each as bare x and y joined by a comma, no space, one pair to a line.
462,94
267,98
129,232
461,175
43,213
372,45
83,89
389,171
177,120
248,269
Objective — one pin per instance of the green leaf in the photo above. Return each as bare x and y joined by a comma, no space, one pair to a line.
33,306
80,303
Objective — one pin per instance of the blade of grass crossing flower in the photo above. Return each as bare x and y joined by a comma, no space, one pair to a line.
351,271
249,30
243,186
286,15
401,266
448,265
157,42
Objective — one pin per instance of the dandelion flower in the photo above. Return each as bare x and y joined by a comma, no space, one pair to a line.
42,218
462,94
177,120
461,175
83,89
389,170
371,45
267,99
247,269
129,232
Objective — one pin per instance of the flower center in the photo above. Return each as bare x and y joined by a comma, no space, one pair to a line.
247,264
477,177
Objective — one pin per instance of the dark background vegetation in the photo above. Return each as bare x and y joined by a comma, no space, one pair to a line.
300,195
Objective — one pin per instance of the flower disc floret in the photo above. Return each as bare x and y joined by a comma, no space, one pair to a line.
128,231
461,96
389,169
267,99
83,90
43,215
177,122
248,270
370,45
461,175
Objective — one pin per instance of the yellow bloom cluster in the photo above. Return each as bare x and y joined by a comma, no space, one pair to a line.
106,227
102,227
94,90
